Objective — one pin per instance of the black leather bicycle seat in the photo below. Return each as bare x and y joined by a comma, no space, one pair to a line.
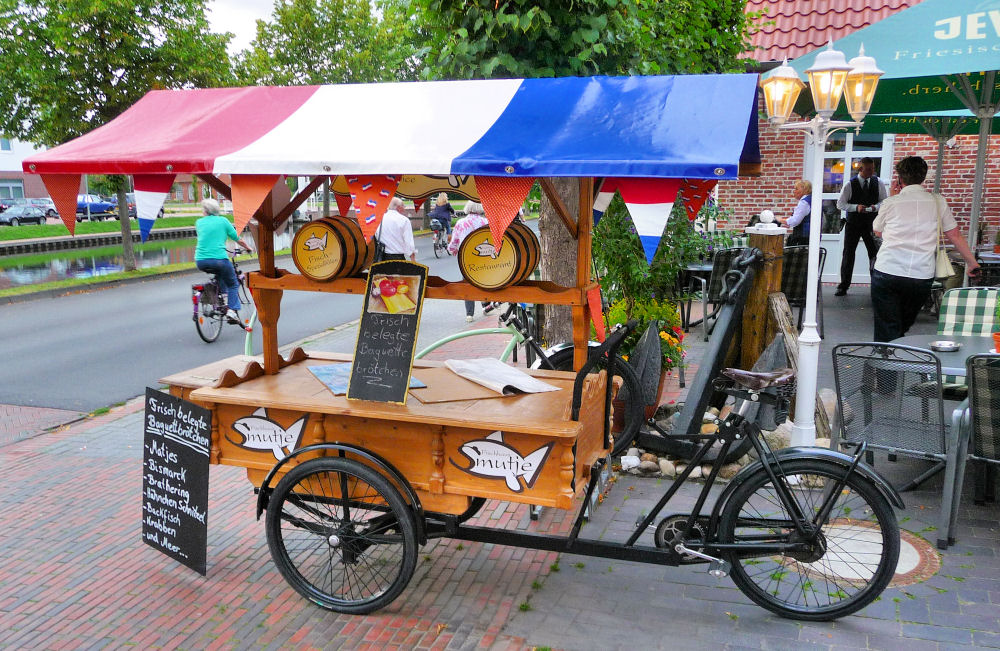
760,380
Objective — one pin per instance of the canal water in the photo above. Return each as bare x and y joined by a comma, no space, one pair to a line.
39,268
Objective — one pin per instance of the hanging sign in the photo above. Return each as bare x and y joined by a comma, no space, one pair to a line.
387,333
175,478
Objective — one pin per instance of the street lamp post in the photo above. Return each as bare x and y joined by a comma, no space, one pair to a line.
828,77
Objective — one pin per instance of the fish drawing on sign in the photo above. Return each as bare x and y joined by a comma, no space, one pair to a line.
316,243
491,458
258,432
486,250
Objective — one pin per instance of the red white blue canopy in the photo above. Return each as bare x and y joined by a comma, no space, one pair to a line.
685,126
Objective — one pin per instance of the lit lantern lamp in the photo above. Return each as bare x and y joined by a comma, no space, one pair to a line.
861,83
781,91
827,77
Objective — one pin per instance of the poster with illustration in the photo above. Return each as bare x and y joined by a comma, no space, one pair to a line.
387,332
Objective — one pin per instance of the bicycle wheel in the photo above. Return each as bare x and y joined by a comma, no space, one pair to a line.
437,246
854,557
341,535
208,320
562,360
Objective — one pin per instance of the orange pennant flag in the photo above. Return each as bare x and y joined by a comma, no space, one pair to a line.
596,314
694,194
371,194
63,189
343,204
502,197
249,192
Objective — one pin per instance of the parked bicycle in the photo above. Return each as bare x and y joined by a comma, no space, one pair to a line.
440,241
208,300
518,321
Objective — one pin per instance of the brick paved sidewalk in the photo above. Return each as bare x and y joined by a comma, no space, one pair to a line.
19,422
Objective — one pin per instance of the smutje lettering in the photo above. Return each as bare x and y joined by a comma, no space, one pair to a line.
491,458
259,432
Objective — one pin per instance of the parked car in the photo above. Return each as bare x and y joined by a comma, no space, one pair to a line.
44,203
99,209
21,214
130,199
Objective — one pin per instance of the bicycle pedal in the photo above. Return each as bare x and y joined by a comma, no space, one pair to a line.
719,569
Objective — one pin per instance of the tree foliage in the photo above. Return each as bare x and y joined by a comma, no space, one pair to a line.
521,38
330,42
73,65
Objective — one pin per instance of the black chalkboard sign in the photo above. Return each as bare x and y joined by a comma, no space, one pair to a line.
387,333
175,478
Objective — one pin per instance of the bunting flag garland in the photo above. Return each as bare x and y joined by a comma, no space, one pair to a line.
343,204
596,314
649,202
417,203
150,192
604,192
249,192
694,194
63,189
502,197
371,194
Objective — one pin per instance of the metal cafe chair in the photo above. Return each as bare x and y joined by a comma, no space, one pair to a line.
978,438
794,274
712,288
890,397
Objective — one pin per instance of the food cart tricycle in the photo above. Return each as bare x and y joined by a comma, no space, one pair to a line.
351,487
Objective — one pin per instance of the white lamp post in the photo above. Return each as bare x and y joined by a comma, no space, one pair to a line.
828,76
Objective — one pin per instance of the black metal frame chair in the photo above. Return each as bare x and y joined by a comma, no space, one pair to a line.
713,290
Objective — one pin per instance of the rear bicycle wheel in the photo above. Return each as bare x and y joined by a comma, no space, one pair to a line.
208,319
562,360
437,246
853,555
341,535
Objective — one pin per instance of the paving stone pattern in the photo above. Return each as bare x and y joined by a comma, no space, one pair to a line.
76,575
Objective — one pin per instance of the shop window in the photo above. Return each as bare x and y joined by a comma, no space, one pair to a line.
5,145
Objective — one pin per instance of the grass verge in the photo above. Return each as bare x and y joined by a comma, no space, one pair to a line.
33,231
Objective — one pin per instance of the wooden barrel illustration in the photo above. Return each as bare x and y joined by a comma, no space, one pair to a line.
484,267
330,248
532,248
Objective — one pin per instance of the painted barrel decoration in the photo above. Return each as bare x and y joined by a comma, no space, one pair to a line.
483,267
330,248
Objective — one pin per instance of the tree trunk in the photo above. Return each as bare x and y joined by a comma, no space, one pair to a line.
128,254
558,259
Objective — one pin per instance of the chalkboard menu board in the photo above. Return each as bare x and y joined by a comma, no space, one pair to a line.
387,333
175,478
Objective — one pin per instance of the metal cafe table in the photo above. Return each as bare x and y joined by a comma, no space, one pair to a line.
952,362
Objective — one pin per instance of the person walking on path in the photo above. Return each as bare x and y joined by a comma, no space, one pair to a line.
443,212
211,256
904,269
474,218
861,198
800,219
396,233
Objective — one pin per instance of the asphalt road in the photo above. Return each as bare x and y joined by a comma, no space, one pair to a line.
93,349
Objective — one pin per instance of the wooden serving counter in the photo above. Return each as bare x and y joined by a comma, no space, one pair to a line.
452,445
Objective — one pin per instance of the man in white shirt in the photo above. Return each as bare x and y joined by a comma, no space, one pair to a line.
396,233
861,198
904,271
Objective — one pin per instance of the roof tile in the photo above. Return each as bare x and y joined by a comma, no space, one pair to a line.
791,28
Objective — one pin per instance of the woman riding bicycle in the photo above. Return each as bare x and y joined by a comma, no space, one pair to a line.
442,212
211,256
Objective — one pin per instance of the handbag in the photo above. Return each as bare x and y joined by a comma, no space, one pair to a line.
379,247
942,263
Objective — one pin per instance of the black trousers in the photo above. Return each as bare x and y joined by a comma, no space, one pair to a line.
394,256
896,301
859,227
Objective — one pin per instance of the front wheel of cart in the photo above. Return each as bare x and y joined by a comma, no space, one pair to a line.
341,535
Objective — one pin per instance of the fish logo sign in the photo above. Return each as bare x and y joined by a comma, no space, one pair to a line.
258,432
316,243
491,458
486,250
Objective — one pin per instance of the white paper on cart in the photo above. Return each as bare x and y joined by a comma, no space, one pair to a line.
497,376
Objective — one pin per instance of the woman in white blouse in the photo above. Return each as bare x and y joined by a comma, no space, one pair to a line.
905,266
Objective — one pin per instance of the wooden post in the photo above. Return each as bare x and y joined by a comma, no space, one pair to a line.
268,300
767,280
584,234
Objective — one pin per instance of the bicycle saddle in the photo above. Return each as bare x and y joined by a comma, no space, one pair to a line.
760,380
